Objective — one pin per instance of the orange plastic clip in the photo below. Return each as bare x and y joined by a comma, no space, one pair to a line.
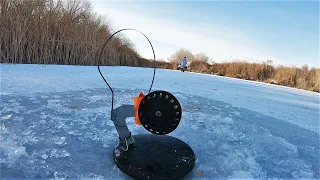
136,102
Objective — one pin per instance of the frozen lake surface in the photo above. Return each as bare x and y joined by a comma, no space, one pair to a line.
55,123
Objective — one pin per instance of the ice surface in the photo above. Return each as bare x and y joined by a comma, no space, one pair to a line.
55,123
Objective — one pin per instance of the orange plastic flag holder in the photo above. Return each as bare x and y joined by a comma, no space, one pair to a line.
136,102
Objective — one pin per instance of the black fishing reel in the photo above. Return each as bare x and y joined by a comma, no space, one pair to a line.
160,112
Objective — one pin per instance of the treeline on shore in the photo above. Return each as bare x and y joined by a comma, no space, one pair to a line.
60,32
302,78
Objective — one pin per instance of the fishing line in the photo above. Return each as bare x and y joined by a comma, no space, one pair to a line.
99,59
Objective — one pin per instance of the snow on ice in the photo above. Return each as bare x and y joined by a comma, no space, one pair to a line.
55,123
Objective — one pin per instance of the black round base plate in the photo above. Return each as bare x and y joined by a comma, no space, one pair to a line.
156,157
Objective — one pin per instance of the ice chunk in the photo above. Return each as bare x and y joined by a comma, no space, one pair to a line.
59,153
6,117
59,140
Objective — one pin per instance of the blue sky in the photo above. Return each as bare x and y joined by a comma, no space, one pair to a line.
286,32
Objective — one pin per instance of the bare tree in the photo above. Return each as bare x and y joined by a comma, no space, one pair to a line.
201,57
177,56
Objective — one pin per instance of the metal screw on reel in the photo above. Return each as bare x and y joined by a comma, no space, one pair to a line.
160,112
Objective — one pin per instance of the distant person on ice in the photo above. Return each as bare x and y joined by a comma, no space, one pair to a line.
184,62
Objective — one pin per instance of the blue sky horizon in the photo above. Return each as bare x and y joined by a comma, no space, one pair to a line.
286,32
